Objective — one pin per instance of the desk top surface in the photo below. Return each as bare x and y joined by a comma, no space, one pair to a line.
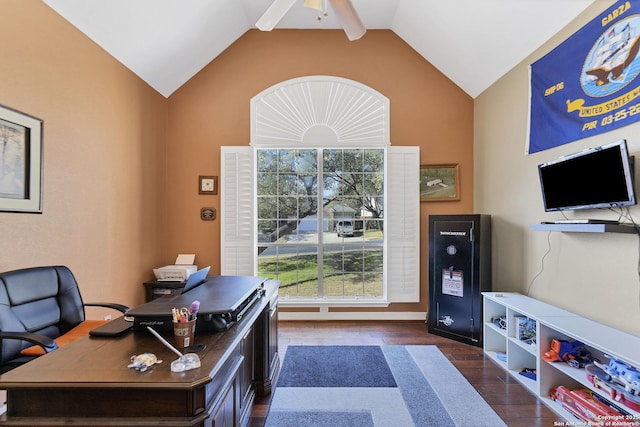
92,360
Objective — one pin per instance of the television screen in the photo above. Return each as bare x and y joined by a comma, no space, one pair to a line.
600,177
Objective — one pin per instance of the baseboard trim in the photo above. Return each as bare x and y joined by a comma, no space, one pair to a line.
345,315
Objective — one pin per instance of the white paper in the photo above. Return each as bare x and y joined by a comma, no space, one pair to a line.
452,283
185,259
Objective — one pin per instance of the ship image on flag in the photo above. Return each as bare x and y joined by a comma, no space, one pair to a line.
611,60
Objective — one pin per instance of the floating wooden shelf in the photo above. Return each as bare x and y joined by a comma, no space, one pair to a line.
586,228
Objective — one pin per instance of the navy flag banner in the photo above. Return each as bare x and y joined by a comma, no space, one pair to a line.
589,84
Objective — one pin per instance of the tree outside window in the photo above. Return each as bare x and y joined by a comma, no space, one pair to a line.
302,197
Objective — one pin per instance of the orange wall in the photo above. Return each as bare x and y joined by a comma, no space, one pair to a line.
104,156
121,162
212,110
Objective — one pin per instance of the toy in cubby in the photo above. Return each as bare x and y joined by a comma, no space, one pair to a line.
585,406
525,330
572,352
618,379
499,321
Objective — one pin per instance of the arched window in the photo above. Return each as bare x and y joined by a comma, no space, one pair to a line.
320,200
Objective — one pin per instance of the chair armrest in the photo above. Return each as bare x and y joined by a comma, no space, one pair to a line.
121,308
42,340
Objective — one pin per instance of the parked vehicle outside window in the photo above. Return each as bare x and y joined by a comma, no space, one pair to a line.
344,228
306,199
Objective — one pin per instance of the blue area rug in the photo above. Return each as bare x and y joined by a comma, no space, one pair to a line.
321,419
335,366
374,386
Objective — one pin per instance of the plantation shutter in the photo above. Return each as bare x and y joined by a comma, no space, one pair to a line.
236,212
402,224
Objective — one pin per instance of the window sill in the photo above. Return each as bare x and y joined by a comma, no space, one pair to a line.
291,302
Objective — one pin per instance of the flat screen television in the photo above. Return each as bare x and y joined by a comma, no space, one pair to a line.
600,177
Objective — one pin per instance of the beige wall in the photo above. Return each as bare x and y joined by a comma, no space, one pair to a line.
212,110
595,275
104,156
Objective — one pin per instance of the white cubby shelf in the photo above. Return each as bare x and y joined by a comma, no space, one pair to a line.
551,322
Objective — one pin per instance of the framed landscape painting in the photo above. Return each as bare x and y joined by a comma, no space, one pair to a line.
20,162
439,183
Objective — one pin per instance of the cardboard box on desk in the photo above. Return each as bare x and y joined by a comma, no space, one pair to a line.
178,272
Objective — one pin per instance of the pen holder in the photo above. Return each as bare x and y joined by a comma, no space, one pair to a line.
183,333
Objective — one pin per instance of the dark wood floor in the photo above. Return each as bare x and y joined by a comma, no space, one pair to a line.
514,403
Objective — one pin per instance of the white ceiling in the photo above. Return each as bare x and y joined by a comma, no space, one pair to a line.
473,42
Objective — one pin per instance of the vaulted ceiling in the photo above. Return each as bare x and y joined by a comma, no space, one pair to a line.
472,42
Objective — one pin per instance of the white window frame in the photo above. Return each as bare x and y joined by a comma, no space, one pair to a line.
324,111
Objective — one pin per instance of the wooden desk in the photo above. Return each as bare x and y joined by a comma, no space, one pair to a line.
88,383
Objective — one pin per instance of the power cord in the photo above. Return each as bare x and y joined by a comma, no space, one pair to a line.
626,214
542,263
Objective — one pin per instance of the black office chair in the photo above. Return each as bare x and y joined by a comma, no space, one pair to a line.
37,306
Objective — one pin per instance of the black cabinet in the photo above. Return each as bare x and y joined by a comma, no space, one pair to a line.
459,271
155,289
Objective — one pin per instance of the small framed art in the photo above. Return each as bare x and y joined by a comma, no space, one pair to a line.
439,183
208,184
20,162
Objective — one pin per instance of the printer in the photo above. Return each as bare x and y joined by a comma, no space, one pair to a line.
178,272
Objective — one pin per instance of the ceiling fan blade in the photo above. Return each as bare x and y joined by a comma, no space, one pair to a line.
274,14
313,4
348,18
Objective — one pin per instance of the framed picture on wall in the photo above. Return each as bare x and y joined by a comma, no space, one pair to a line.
439,183
20,162
208,184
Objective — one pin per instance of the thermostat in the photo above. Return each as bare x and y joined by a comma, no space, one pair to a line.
208,214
